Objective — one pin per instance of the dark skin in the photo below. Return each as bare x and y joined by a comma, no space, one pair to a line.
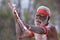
43,17
52,33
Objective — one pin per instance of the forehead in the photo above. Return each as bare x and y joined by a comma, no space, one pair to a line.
41,15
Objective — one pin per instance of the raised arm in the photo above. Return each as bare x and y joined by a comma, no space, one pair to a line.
26,33
39,30
15,13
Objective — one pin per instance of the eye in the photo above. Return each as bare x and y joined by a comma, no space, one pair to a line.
40,16
37,15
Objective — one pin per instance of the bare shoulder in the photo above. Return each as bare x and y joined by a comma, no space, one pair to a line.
52,29
52,32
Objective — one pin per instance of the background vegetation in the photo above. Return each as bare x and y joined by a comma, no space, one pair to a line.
27,14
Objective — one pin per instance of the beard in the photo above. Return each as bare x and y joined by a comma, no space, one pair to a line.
41,22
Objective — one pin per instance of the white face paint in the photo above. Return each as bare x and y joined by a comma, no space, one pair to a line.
39,21
45,21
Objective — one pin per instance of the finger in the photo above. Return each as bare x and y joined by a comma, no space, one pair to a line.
10,5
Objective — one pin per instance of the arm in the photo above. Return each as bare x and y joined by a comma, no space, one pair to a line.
15,13
27,34
35,29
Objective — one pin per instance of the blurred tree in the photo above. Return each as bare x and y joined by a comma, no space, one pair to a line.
7,29
7,22
58,9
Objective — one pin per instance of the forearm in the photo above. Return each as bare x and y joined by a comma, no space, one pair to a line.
19,21
26,34
38,30
35,29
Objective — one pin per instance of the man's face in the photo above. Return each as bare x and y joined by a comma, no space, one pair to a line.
41,19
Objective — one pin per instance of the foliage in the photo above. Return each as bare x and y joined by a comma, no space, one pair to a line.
59,36
7,28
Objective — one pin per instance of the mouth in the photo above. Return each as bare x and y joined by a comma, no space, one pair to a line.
38,21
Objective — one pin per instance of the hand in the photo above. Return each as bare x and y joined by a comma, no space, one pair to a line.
12,6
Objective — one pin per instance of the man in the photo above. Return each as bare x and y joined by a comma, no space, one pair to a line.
42,19
42,30
47,31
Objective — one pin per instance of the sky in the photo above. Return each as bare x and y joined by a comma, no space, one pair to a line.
24,3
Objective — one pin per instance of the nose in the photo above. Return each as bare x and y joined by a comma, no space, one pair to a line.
37,17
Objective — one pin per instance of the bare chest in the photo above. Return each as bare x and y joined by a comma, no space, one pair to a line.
40,36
